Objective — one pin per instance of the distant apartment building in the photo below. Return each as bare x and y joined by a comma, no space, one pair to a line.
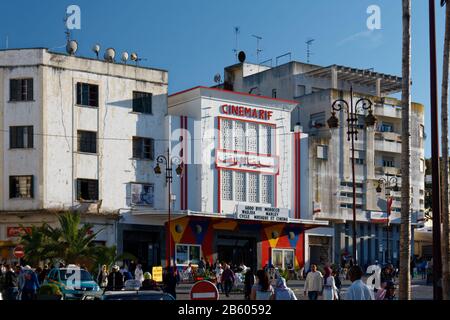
82,134
377,153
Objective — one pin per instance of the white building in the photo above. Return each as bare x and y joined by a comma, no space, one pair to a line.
80,134
245,187
377,152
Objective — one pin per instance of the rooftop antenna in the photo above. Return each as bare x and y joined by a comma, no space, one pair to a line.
308,49
237,30
258,50
67,32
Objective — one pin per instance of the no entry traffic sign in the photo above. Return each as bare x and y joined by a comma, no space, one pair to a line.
204,290
19,252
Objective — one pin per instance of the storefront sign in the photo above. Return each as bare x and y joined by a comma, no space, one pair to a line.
15,232
157,273
378,216
244,161
247,112
262,213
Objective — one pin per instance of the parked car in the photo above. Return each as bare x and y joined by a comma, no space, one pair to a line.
73,282
130,295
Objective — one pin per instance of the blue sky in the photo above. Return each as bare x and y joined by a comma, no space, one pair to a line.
194,39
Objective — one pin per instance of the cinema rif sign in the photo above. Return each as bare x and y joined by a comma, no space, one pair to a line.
247,112
262,213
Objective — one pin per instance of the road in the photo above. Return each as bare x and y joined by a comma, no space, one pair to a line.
420,291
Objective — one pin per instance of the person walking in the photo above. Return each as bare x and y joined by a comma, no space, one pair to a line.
102,278
30,284
219,271
338,283
313,283
358,290
330,291
115,280
10,284
171,281
249,281
228,278
282,292
262,290
149,283
139,273
201,266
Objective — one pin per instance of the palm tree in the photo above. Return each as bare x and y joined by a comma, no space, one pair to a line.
444,142
405,228
35,244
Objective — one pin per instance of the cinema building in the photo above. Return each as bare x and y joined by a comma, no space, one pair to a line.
244,192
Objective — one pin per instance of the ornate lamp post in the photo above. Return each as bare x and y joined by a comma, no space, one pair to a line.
169,162
352,134
389,183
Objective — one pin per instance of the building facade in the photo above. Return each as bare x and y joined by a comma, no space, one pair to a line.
79,134
244,187
377,154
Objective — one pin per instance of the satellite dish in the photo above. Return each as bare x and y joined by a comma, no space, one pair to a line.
96,49
134,56
217,78
124,57
71,47
110,54
241,56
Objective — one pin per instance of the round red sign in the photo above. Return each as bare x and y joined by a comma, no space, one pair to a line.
204,290
19,252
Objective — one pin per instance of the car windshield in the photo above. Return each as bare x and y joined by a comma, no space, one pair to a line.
75,274
137,297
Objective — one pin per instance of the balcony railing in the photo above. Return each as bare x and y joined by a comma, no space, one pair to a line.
388,146
387,170
385,110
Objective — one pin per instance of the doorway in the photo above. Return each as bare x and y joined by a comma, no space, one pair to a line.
236,250
144,246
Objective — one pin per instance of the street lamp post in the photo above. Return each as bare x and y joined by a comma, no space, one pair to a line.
388,183
169,161
352,134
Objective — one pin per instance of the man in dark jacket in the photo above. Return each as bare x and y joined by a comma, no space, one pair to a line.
228,278
170,280
10,288
249,281
115,280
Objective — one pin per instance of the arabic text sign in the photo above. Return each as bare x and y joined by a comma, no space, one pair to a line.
246,161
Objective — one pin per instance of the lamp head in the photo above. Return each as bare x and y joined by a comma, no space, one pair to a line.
157,169
370,119
179,170
333,122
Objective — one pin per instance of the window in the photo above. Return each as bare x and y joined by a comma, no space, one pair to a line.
87,94
350,184
283,258
253,187
322,152
350,206
87,141
227,134
388,162
21,90
267,189
142,194
386,127
422,165
421,131
143,148
350,194
252,137
21,137
186,253
240,186
87,190
274,93
20,187
300,90
266,140
317,120
227,184
142,102
239,136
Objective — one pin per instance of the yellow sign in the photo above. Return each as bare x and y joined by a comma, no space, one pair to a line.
157,273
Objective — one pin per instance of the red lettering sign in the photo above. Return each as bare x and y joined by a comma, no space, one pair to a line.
14,232
246,112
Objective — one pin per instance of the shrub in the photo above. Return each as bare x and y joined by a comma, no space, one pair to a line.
50,290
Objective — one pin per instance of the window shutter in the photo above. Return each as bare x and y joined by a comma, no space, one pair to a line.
78,189
30,137
79,93
12,138
14,90
29,89
32,186
12,187
152,149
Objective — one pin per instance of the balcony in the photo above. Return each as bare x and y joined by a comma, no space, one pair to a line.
388,146
387,171
385,110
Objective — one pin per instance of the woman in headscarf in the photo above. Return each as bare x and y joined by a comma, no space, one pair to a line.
149,283
282,292
329,286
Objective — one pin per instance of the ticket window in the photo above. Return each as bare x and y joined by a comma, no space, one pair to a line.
283,258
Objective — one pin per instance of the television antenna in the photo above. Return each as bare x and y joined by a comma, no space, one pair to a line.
258,50
237,30
308,49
